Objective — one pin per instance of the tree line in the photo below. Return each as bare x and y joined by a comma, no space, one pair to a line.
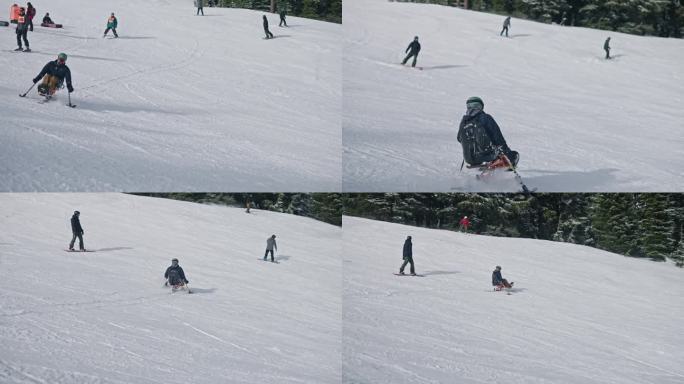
648,225
326,10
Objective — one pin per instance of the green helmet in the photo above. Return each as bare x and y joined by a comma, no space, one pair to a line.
62,56
475,99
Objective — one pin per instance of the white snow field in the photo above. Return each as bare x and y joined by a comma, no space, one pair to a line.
104,317
580,122
577,315
178,103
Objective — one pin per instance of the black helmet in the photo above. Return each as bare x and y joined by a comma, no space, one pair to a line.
77,213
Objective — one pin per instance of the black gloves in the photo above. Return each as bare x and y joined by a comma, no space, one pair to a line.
70,88
35,80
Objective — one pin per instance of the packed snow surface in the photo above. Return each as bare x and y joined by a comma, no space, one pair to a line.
580,122
105,317
576,315
177,103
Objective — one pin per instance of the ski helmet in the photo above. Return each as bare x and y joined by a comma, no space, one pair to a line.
62,56
77,213
475,99
498,267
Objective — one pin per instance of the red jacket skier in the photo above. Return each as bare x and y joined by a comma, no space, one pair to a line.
464,223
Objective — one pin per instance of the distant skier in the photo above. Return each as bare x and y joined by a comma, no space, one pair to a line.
269,35
506,25
174,275
47,20
77,232
112,23
200,7
412,50
464,224
407,255
282,18
30,13
481,137
498,281
54,73
248,206
606,47
270,247
22,30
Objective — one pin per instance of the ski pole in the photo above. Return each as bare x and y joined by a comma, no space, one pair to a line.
71,105
462,162
29,90
517,175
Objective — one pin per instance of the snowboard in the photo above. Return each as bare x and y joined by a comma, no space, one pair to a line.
274,262
408,274
51,25
76,250
4,24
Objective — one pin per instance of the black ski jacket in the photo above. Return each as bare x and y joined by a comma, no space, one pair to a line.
265,23
496,277
61,71
414,47
408,249
76,225
490,126
178,269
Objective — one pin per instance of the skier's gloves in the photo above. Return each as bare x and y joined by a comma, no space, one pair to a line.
70,88
35,80
187,282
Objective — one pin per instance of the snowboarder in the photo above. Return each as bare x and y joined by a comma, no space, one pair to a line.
407,256
22,30
77,232
282,18
481,137
506,25
53,74
47,20
112,23
30,13
200,7
269,35
412,50
270,247
174,275
606,47
499,282
464,224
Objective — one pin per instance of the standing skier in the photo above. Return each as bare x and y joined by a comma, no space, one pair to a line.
506,25
464,224
282,18
498,281
174,275
22,30
606,47
270,247
407,255
112,23
54,72
200,7
412,50
481,137
77,232
269,35
30,13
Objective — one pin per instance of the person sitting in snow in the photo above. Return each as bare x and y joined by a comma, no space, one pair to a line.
53,74
174,275
499,282
47,20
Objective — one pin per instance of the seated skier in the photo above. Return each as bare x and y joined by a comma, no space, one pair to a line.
174,275
481,138
53,74
499,282
47,20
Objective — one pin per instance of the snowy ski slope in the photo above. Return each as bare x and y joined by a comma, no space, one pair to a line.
177,103
104,317
580,123
577,315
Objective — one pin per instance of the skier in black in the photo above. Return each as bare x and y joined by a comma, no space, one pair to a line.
269,35
414,48
282,18
200,7
47,19
506,25
606,47
77,232
22,30
407,256
174,275
55,73
270,247
499,281
481,137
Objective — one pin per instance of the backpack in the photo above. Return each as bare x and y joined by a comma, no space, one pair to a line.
475,141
